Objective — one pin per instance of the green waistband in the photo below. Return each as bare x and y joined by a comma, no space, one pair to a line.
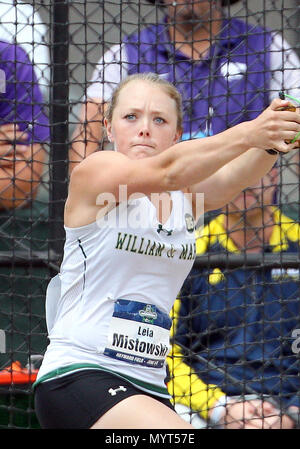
80,366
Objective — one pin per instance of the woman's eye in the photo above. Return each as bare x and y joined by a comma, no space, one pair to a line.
130,116
159,120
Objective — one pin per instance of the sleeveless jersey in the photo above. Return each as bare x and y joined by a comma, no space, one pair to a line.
118,281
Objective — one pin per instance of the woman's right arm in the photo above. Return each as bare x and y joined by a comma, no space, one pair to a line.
185,163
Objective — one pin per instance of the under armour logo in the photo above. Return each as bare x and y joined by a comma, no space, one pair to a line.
160,228
114,392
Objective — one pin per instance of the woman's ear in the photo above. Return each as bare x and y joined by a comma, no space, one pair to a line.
108,130
177,136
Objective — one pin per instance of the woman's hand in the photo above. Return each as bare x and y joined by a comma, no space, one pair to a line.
274,127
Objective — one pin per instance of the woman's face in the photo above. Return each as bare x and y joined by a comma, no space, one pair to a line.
144,121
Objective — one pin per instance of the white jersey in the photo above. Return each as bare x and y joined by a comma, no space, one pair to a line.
119,278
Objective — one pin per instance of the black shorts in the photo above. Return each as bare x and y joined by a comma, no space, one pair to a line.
78,400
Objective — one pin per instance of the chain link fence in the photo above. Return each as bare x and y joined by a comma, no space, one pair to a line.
78,53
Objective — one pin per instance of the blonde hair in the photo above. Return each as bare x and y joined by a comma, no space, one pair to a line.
155,79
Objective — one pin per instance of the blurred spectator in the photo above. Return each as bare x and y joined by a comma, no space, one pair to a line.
21,24
227,70
24,128
240,369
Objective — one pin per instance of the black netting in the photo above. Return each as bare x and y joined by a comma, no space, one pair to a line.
59,62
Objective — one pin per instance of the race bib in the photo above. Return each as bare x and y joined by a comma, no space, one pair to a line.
138,334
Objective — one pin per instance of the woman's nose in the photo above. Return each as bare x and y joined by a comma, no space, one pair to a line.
145,129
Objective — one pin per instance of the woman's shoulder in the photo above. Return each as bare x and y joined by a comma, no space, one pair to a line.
94,164
103,156
93,182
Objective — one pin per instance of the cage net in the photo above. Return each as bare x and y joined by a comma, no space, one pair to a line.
237,320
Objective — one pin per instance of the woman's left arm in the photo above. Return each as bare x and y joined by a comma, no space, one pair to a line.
242,172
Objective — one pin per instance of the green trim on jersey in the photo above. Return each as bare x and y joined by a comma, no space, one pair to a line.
59,372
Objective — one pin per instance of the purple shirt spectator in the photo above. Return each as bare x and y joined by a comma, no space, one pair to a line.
21,100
